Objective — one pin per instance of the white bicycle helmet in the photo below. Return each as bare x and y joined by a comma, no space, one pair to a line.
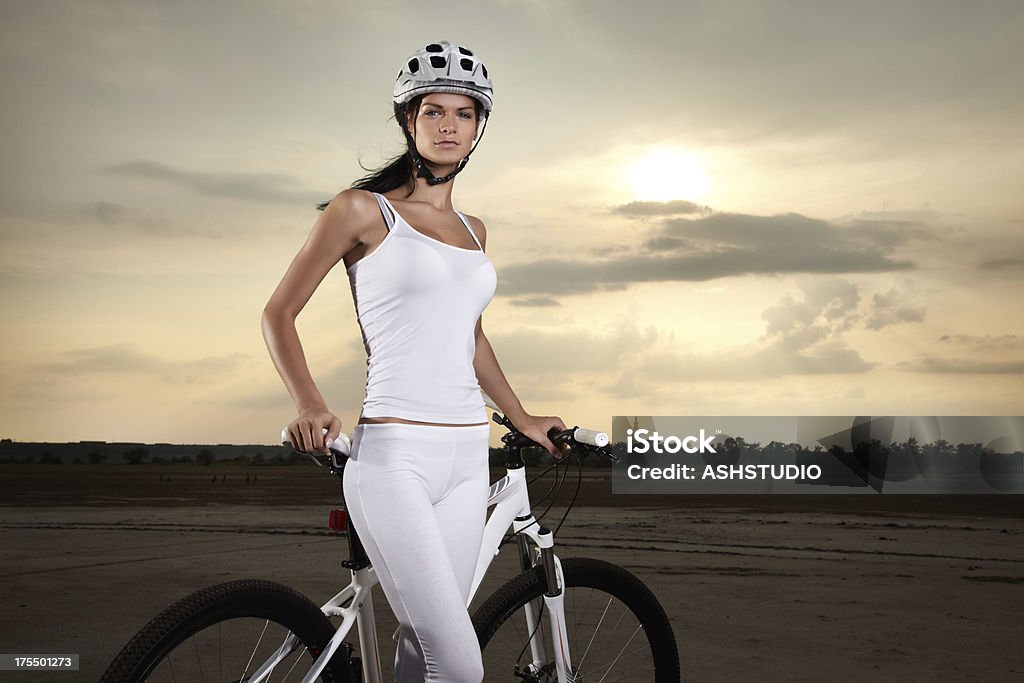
444,67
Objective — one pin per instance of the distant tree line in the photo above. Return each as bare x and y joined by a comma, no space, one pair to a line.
164,454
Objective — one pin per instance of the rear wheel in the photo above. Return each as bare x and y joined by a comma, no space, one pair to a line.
617,629
225,633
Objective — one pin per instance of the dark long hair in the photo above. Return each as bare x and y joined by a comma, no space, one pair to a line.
400,170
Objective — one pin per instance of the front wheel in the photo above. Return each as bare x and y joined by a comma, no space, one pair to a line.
225,633
618,630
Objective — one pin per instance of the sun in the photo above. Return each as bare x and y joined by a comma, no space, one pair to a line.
666,174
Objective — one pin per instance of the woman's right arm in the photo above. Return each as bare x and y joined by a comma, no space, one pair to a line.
340,227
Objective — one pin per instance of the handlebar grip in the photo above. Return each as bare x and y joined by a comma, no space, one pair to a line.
589,436
342,445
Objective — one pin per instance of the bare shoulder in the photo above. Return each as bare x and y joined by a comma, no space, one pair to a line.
352,213
479,228
350,219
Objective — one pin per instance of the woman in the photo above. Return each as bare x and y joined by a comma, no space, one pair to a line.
417,476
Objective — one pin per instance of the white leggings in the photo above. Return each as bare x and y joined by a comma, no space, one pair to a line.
417,496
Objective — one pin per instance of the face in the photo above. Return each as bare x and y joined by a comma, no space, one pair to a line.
445,127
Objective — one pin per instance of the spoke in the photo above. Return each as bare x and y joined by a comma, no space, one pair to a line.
170,663
199,660
596,629
618,656
625,611
586,607
642,648
295,663
245,671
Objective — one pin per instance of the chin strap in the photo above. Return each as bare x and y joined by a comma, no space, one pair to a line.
421,166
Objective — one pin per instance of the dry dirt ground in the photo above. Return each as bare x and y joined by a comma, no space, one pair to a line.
758,588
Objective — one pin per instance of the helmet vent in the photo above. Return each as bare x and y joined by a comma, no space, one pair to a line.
438,62
414,66
434,47
466,64
465,51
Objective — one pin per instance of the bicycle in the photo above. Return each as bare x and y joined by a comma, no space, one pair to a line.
538,626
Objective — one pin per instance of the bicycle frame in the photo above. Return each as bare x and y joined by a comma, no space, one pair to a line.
511,502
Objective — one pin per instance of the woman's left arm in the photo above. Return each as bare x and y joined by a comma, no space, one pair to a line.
492,380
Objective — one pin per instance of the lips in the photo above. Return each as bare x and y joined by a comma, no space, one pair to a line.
447,143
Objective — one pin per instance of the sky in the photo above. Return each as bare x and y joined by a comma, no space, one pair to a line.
694,208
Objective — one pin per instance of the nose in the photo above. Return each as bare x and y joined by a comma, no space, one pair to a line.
447,125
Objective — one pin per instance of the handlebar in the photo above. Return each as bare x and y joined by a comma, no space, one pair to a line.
590,439
343,444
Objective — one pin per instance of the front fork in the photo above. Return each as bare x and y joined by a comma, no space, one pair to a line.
553,604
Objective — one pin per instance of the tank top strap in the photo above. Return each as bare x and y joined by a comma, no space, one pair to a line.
387,210
470,228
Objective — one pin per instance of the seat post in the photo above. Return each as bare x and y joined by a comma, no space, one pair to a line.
357,558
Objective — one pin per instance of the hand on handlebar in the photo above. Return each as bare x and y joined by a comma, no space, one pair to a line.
306,432
539,427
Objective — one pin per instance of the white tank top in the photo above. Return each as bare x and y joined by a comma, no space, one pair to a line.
417,300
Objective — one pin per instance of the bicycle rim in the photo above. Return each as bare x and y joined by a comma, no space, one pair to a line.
616,628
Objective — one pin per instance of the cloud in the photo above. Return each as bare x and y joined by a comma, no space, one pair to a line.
889,233
47,391
804,335
127,359
986,354
794,230
536,301
108,213
895,306
996,264
674,207
267,188
114,358
571,352
985,343
112,214
273,397
829,308
930,363
834,301
560,363
722,245
806,352
344,385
